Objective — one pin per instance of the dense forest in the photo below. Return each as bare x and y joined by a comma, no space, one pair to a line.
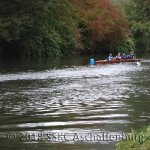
42,28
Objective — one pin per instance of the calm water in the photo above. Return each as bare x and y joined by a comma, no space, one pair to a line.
66,104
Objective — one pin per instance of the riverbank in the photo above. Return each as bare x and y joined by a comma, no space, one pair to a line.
141,141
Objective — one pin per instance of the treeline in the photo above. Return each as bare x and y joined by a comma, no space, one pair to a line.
37,28
138,17
65,27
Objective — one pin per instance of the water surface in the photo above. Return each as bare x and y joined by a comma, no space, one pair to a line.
72,98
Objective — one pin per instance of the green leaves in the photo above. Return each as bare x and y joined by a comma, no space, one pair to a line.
125,46
141,32
37,27
64,27
138,16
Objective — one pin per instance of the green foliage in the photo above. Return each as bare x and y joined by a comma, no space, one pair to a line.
138,16
64,27
141,32
142,8
141,141
37,27
126,45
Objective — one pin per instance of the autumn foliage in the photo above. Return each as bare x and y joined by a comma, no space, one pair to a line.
49,28
103,19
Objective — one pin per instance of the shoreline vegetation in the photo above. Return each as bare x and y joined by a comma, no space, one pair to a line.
39,28
140,140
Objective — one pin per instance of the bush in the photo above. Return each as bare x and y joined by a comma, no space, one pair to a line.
126,46
141,32
37,28
140,142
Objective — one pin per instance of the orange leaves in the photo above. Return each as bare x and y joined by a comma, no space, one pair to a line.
103,18
98,28
108,22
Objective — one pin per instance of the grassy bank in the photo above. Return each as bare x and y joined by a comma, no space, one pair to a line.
138,140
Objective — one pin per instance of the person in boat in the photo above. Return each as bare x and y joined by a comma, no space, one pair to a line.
124,56
118,57
131,55
110,57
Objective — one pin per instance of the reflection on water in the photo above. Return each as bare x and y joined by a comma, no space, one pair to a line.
77,99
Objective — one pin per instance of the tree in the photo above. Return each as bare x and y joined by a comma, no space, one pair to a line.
100,22
139,19
37,27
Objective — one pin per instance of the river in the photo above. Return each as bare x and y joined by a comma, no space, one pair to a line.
67,104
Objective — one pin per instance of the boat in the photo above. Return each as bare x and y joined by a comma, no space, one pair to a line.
102,62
